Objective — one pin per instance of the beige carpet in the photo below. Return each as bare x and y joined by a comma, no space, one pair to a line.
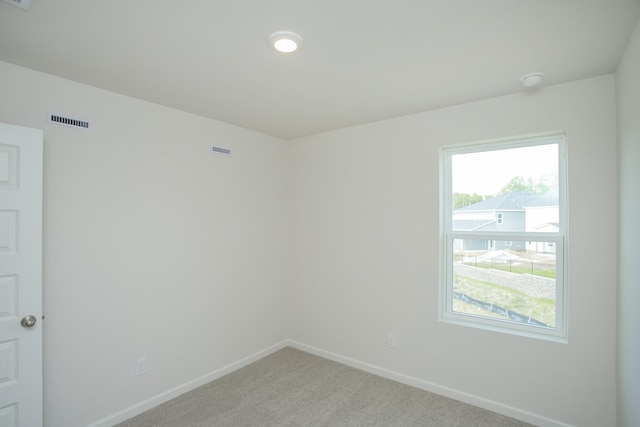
294,388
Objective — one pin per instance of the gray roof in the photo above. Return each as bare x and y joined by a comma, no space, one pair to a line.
513,201
549,199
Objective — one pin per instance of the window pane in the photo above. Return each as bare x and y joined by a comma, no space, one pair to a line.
513,189
515,280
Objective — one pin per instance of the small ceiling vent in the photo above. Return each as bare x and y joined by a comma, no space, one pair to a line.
68,121
20,3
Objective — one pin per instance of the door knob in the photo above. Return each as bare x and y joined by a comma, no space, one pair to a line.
28,321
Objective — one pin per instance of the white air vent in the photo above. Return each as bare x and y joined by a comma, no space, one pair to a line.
69,121
220,150
20,3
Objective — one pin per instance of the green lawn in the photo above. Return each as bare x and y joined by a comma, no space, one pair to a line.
541,309
520,269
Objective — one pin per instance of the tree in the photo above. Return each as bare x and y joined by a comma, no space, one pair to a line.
460,200
519,184
516,184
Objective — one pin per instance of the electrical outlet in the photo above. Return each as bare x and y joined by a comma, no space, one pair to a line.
141,366
391,341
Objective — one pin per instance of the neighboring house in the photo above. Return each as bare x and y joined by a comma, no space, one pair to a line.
543,247
542,214
513,211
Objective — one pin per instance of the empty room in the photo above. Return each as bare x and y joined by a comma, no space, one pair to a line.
322,213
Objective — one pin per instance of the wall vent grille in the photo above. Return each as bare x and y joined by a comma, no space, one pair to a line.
220,150
20,3
68,121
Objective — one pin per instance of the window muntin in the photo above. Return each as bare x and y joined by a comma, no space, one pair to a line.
518,286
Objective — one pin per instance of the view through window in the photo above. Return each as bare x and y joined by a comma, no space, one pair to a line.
503,236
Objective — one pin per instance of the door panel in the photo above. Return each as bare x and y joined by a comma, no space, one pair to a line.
20,276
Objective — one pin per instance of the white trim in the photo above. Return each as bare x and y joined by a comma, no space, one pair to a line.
508,142
156,400
447,234
451,393
471,399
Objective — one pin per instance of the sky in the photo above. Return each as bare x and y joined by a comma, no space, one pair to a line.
487,172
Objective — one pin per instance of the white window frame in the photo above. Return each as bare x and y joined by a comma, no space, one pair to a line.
559,239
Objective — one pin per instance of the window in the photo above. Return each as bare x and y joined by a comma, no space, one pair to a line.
505,271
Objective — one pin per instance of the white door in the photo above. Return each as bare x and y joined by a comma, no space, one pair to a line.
20,276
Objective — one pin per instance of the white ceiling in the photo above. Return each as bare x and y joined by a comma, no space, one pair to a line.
363,60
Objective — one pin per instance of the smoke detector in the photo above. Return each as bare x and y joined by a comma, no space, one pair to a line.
532,79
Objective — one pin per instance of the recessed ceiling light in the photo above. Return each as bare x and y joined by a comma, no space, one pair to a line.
532,79
285,41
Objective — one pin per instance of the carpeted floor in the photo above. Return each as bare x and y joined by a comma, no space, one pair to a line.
294,388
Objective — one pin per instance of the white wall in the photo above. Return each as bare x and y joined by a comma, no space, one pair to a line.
152,245
628,90
365,254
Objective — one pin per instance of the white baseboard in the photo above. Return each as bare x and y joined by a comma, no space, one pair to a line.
154,401
471,399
